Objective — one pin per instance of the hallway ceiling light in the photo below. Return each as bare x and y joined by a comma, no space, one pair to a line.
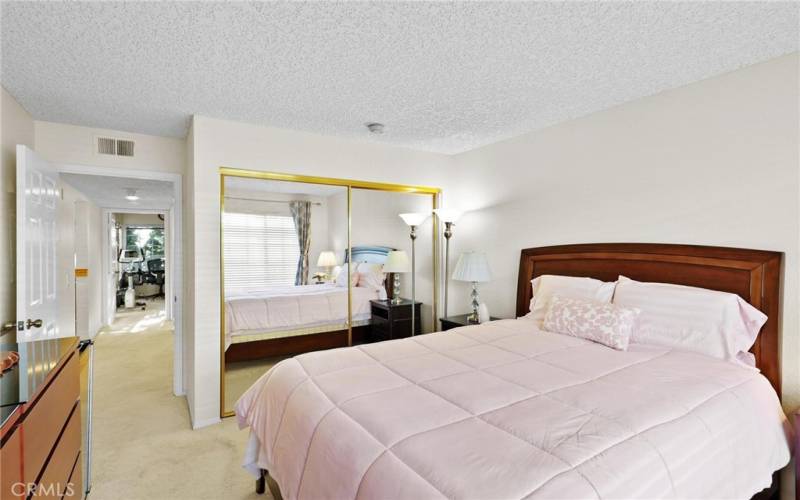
374,127
131,195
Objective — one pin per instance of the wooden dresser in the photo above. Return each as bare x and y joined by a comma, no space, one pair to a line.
40,437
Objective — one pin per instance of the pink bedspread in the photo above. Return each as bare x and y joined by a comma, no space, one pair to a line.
290,307
502,410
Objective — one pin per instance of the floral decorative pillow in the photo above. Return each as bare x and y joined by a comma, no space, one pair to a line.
606,324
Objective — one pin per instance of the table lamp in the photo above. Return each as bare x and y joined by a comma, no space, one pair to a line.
473,267
396,263
327,261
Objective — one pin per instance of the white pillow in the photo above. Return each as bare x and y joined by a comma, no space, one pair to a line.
370,275
545,286
604,323
714,323
341,278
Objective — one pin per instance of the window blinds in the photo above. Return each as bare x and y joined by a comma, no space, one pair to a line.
260,250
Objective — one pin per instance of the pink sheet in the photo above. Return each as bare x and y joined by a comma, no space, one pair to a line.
503,410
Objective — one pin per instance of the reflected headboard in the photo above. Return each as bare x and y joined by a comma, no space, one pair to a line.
369,253
752,274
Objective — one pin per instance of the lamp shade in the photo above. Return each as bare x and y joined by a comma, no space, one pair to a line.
472,266
327,259
397,262
448,214
414,219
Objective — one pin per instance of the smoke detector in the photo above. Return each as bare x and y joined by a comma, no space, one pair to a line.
374,127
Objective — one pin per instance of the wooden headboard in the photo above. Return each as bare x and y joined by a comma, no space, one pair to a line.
754,275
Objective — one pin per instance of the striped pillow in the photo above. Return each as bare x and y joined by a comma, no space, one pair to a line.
687,318
548,285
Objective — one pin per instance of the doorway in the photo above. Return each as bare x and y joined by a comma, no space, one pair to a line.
138,271
140,245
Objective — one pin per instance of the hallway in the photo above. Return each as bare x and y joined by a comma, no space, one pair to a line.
144,447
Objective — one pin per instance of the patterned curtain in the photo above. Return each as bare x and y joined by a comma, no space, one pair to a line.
301,213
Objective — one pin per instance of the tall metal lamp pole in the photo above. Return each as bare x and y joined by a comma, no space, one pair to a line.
449,217
413,220
413,277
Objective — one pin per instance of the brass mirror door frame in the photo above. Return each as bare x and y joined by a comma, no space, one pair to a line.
225,172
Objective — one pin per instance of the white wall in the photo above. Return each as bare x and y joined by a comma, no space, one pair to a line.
88,249
65,259
126,219
72,144
79,245
337,225
94,263
16,127
219,143
713,163
189,345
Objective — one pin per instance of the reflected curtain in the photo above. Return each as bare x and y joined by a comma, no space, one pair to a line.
301,213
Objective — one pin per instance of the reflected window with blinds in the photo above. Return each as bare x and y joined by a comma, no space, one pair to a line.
261,250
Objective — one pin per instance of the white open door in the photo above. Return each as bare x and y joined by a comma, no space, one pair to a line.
38,192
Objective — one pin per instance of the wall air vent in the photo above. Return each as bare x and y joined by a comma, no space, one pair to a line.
116,147
106,146
124,148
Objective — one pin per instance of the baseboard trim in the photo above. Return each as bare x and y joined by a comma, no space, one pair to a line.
205,423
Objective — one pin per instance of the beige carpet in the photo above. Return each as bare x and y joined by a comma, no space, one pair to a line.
144,447
241,375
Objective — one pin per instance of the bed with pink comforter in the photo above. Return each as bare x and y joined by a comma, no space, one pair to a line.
292,307
504,410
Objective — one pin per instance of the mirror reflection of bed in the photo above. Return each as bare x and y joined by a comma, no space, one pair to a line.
285,270
273,232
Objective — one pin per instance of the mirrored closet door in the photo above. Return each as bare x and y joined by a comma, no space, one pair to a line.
311,263
383,220
283,244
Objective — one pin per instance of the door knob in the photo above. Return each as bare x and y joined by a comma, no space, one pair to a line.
8,327
33,323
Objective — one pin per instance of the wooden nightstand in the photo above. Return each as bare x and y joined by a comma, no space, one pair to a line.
460,320
393,321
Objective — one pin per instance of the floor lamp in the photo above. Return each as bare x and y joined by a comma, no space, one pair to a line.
413,220
449,217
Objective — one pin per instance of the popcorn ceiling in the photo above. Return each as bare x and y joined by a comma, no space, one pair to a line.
444,77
